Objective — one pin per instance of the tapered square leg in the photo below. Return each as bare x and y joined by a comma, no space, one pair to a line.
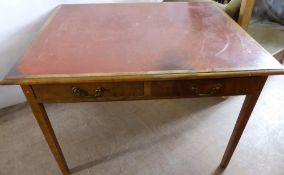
242,120
47,130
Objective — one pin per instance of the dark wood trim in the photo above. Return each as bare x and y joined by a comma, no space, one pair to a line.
138,76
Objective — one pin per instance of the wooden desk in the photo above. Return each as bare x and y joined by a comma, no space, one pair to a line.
112,52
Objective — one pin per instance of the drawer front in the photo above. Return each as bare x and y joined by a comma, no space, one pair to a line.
88,91
201,88
147,90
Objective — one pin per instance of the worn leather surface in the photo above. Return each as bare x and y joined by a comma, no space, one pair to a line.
109,38
231,8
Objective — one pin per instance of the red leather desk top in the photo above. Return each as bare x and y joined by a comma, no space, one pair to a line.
141,37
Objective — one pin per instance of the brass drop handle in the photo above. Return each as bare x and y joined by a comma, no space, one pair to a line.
99,91
213,91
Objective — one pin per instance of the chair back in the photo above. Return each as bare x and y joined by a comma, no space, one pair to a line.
245,13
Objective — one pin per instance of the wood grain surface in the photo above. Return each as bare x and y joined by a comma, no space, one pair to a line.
124,91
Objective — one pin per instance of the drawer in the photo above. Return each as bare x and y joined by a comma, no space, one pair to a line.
88,91
201,87
122,91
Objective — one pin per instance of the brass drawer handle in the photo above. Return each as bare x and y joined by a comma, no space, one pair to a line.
213,91
99,91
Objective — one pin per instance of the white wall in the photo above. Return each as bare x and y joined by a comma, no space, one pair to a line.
20,20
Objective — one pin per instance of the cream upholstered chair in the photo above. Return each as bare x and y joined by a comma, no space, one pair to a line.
240,10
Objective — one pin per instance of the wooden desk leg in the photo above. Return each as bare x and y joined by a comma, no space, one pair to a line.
240,125
45,125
